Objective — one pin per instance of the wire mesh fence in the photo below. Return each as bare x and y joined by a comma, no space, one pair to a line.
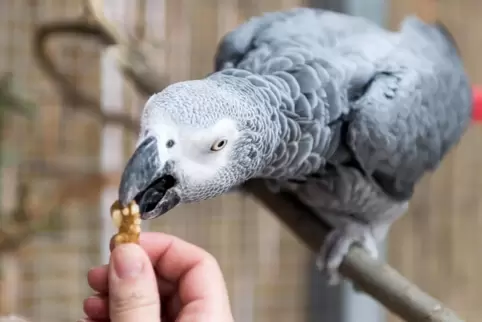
63,154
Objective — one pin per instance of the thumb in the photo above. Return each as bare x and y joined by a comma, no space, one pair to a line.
133,292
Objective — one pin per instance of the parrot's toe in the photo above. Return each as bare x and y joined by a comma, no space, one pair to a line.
336,246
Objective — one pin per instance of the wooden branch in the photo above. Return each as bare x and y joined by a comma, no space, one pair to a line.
375,278
10,100
129,54
75,183
21,227
13,236
84,102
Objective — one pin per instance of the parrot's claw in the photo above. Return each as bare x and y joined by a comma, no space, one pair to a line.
337,244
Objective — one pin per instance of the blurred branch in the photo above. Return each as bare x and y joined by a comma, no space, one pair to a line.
10,100
375,278
22,225
83,101
128,52
13,234
74,183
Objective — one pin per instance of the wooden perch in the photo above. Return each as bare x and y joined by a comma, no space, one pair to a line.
373,277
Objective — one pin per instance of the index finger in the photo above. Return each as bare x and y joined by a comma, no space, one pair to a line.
194,270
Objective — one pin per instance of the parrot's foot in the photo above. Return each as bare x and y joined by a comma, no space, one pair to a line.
337,244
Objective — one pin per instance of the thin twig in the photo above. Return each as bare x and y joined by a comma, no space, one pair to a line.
375,278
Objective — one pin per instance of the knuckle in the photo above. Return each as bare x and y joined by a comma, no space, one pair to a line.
132,301
210,261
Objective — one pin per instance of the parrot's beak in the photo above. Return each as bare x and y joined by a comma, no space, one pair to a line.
148,180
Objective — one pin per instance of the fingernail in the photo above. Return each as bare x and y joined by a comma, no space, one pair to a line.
128,261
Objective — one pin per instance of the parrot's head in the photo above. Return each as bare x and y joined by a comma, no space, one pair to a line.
198,139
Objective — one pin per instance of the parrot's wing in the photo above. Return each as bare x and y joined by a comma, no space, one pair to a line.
415,109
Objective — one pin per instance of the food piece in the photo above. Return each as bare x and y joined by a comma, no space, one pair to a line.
128,221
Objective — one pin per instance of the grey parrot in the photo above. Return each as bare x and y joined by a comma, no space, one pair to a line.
344,114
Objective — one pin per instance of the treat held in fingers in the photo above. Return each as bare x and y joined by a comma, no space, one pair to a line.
128,222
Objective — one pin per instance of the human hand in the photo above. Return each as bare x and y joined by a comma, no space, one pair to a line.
164,279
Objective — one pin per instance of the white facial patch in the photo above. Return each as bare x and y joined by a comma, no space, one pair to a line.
195,161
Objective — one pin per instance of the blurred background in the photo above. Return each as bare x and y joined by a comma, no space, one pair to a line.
60,168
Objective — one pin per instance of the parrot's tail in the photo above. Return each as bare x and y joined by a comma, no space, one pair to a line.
447,35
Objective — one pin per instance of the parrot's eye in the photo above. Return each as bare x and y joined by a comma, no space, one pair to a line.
219,144
170,143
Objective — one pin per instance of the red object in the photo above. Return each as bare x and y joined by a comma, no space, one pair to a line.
477,109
